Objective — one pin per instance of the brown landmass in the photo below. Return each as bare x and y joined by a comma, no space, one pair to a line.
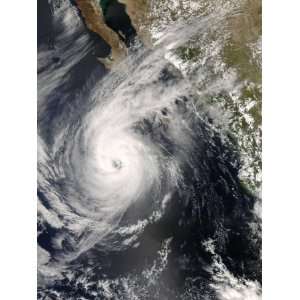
94,19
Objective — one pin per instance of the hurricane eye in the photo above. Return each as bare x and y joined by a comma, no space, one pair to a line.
117,164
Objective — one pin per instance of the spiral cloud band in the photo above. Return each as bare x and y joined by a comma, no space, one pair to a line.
126,148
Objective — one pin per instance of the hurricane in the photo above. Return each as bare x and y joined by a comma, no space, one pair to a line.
134,177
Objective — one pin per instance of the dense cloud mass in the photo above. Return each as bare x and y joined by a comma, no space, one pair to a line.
138,190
